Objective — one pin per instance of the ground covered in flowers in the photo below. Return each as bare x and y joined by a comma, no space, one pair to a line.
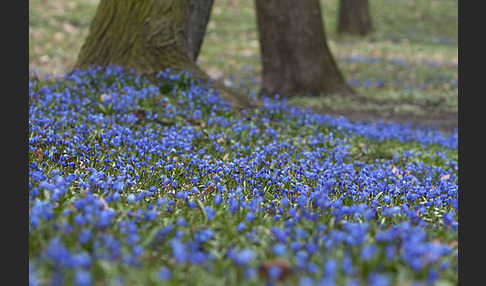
132,183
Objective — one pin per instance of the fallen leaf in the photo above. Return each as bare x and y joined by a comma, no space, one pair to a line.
140,114
445,177
209,189
38,154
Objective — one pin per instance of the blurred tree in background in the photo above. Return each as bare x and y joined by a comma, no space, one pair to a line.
295,56
354,17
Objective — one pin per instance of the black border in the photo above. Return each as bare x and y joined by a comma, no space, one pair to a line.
14,210
471,121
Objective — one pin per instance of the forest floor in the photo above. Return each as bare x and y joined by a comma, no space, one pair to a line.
406,71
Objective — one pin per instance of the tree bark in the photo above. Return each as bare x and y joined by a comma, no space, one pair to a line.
195,29
354,17
147,36
150,36
295,56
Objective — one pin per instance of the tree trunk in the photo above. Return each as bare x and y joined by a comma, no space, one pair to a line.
150,36
199,13
296,58
354,17
147,36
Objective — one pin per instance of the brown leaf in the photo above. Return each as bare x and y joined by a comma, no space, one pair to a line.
140,114
209,189
445,177
38,154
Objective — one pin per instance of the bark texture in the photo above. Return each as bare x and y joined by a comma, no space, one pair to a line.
195,29
295,56
354,17
145,35
150,36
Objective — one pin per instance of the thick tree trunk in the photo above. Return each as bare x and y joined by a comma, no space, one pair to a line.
145,35
150,36
296,58
195,29
354,17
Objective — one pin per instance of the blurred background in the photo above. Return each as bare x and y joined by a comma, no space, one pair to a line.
409,63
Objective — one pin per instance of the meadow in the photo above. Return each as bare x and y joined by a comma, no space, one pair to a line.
140,183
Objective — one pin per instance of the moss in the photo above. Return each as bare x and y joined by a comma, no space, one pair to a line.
143,35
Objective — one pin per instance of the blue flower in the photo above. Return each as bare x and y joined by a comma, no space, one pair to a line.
330,268
84,236
274,272
82,259
178,251
203,235
82,278
33,280
210,213
347,265
368,252
164,273
240,227
58,253
378,279
306,281
279,249
242,257
131,198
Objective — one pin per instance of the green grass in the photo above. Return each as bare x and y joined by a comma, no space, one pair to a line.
414,31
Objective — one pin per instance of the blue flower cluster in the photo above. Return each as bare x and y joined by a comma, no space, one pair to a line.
132,182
